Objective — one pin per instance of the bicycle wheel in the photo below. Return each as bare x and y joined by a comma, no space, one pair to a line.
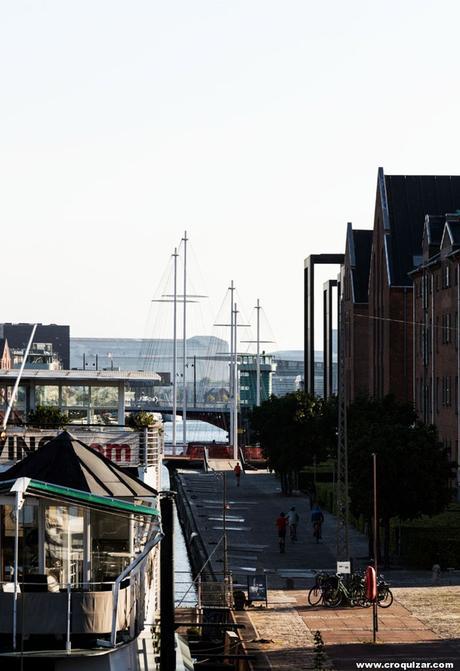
315,596
332,597
385,597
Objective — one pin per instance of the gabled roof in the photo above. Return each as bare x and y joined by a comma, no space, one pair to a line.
359,249
434,226
68,462
405,201
452,228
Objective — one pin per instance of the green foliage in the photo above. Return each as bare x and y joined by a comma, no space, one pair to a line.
293,429
422,547
140,420
413,468
47,417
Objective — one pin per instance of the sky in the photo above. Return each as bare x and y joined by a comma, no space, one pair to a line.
257,126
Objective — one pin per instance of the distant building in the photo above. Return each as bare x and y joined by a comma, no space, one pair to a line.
41,356
248,378
5,355
56,335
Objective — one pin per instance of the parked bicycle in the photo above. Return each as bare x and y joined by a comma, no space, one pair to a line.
316,593
333,591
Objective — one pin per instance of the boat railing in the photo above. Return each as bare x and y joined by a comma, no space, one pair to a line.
98,609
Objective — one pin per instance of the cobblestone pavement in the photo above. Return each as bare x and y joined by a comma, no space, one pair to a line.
438,607
288,642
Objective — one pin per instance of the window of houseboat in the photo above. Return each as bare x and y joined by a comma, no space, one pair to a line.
28,540
110,545
64,527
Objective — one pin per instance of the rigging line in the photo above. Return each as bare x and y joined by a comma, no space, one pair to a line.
200,571
405,321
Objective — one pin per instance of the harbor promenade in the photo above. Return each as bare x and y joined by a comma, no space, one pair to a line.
281,635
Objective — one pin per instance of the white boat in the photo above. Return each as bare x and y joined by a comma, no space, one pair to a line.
79,561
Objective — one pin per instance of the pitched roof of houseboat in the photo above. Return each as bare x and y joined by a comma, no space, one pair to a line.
68,462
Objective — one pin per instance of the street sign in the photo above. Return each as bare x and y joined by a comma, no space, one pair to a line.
257,588
343,567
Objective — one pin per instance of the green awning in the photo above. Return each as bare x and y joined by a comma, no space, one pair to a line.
68,494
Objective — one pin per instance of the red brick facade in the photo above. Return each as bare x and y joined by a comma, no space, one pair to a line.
436,338
390,320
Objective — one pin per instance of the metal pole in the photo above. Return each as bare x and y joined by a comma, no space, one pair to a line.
184,349
68,644
375,604
167,639
18,379
174,353
224,525
194,380
235,386
16,566
230,385
258,356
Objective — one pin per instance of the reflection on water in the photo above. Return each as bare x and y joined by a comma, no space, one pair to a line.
182,570
197,432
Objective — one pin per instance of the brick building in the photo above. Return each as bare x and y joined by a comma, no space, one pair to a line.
436,341
402,203
355,278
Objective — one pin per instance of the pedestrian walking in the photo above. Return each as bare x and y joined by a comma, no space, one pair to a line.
293,521
281,524
237,471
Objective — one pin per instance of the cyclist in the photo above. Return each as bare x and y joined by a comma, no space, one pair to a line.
293,520
281,524
317,519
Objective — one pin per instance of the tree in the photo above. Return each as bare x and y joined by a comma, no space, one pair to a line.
413,468
47,417
292,429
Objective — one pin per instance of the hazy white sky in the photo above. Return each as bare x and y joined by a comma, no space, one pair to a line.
256,125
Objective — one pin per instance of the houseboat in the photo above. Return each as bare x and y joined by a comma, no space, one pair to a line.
79,548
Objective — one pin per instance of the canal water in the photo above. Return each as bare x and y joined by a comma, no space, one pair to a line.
184,590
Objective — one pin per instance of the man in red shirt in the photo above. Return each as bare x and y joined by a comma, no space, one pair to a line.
237,471
281,524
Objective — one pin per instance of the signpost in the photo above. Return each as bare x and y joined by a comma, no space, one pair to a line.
257,588
344,567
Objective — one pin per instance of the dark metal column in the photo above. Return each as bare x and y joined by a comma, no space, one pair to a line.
309,313
167,639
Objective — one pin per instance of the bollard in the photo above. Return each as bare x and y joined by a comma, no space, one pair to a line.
435,574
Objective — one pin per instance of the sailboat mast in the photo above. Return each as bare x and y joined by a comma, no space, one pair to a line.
235,385
230,385
184,351
258,355
174,353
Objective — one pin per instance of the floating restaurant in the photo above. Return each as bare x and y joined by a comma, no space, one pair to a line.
77,557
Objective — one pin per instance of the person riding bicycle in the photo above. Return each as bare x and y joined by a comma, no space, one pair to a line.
281,524
317,519
293,520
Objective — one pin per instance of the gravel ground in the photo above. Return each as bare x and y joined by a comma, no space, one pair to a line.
437,607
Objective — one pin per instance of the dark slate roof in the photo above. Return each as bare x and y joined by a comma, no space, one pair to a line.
68,462
409,200
362,243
